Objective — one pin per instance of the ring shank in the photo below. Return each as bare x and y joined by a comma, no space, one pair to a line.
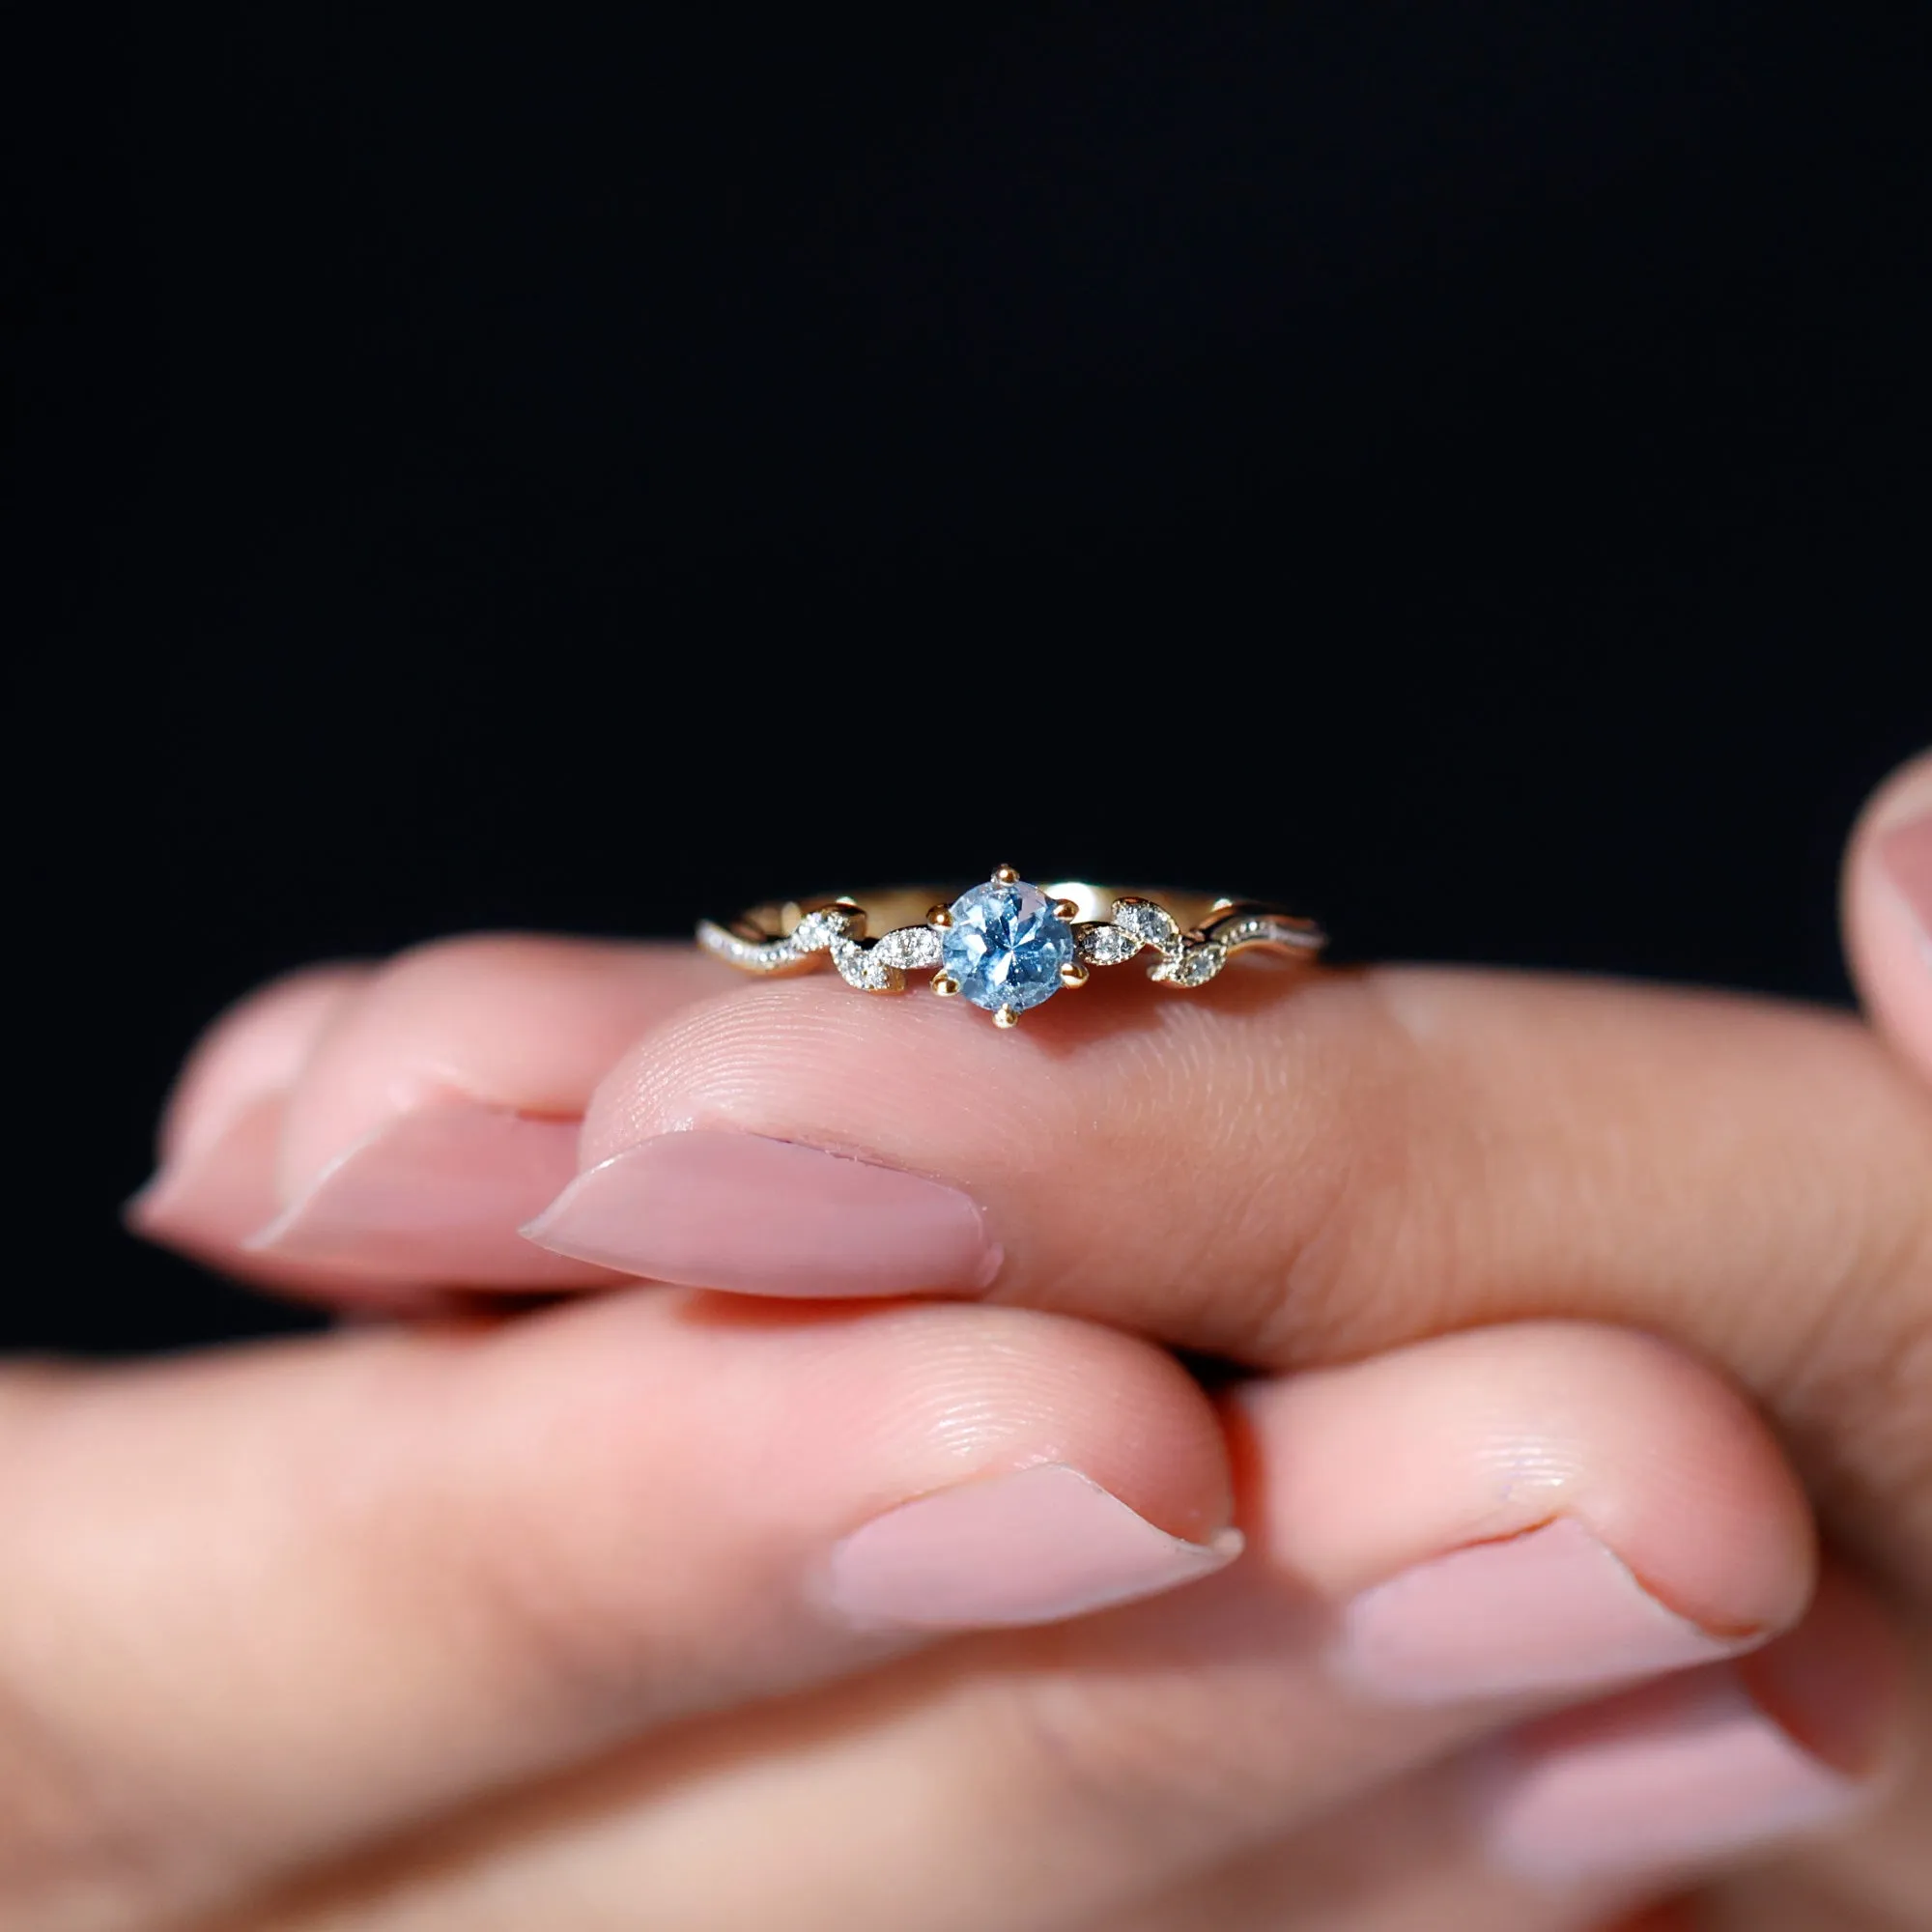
890,907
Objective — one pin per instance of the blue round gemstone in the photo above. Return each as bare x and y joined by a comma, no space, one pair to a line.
1006,946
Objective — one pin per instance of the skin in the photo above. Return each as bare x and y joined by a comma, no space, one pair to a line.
499,1616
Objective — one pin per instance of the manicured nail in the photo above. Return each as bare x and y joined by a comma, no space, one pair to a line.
1678,1775
1029,1548
1551,1609
215,1182
441,1189
1905,856
768,1217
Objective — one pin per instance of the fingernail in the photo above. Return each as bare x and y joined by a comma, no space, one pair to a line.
216,1182
1678,1775
764,1216
1905,856
1029,1548
441,1190
1550,1610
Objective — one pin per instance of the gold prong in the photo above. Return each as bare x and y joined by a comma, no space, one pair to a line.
1007,1016
1004,875
1221,906
1074,976
939,916
945,985
1066,908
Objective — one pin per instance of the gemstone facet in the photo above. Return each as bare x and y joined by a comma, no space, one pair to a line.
1006,946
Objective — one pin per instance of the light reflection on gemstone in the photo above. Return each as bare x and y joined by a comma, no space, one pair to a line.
1006,946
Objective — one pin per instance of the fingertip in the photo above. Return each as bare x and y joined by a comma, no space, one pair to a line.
1522,1510
433,1195
1121,1410
253,1049
1157,1440
756,1215
1693,1772
206,1201
518,1023
218,1179
1693,1491
1887,908
421,1110
1038,1544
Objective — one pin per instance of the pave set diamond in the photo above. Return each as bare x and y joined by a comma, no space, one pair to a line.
1007,946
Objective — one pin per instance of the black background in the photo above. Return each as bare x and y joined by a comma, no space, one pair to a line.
1460,468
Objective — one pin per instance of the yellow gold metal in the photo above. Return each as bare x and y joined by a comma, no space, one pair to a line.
874,939
911,905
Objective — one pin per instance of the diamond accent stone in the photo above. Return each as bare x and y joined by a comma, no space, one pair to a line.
755,955
1195,967
816,930
1103,945
821,931
1006,946
860,965
1152,925
910,945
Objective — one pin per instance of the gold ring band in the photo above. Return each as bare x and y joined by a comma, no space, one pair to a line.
1007,946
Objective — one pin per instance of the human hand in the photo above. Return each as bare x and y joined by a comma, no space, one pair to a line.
1155,1709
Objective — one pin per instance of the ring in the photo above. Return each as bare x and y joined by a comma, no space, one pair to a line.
1006,946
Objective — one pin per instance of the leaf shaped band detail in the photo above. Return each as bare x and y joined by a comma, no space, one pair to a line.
1007,946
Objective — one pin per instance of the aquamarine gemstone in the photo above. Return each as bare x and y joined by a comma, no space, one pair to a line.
1006,946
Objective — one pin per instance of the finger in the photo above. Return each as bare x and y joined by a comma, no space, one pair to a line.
208,1208
1678,1778
214,1181
1291,1172
1573,1820
1887,909
1400,1860
253,1052
434,1103
1440,1540
260,1606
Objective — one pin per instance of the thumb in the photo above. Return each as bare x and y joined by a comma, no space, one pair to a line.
1887,909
